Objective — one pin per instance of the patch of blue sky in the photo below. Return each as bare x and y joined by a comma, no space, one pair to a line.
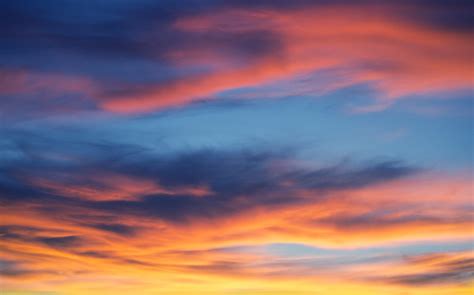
318,129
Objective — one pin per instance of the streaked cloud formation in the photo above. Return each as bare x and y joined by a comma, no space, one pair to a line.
141,56
236,147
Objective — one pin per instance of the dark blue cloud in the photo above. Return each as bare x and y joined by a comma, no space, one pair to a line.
237,180
36,235
142,30
116,228
117,31
447,15
60,242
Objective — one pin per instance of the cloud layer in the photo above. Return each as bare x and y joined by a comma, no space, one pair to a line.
145,56
190,214
236,147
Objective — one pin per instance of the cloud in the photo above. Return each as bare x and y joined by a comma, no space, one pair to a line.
139,57
60,242
116,228
179,187
437,269
102,191
251,197
82,215
12,269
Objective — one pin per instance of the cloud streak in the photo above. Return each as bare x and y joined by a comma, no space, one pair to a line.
166,56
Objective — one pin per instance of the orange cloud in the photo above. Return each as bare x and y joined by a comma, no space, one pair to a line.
79,243
396,57
367,45
103,186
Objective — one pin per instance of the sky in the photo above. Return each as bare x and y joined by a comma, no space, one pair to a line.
236,147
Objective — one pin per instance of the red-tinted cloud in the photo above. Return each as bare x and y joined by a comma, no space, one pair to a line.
375,45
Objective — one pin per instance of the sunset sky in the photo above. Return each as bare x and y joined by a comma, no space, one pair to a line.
236,147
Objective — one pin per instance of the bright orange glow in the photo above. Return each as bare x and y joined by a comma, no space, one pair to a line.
190,257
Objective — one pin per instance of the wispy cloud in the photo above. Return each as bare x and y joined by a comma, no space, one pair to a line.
170,59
